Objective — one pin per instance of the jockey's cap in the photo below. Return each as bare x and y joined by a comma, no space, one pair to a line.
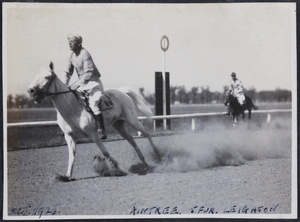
233,74
77,38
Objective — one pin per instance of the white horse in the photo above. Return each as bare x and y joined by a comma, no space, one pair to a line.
76,122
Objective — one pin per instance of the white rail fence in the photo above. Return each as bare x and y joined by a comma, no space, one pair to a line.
193,118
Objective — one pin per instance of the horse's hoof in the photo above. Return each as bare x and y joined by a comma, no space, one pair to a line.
120,173
63,178
141,169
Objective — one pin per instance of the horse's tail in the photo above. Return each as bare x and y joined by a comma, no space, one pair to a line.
139,101
255,107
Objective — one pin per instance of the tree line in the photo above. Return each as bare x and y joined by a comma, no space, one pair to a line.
203,95
178,95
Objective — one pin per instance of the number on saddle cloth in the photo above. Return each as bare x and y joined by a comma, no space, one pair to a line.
105,103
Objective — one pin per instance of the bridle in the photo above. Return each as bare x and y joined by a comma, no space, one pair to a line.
47,93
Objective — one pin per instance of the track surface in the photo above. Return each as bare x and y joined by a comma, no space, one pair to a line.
210,175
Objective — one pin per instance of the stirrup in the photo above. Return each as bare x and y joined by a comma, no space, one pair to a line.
103,135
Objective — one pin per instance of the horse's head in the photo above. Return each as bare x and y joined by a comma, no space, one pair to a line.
228,97
40,85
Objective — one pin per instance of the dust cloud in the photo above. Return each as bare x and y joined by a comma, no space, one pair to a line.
220,145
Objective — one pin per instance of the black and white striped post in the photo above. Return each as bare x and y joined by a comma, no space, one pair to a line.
164,44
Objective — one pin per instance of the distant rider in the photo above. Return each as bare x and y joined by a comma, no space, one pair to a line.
237,90
89,77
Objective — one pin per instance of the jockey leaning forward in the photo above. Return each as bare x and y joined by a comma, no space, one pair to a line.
89,77
237,90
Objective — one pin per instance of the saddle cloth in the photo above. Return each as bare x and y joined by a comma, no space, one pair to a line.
105,101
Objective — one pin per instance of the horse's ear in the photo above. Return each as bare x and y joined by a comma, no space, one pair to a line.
51,66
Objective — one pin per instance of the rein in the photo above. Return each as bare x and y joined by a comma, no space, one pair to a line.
47,93
58,93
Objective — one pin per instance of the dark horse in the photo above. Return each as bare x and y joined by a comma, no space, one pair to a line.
237,109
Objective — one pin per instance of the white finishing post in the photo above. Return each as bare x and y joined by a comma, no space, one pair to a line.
193,123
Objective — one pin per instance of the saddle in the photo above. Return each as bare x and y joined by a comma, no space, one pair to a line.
104,104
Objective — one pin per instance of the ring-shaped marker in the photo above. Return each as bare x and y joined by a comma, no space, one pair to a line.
164,48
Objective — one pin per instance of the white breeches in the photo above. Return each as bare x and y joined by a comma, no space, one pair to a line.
95,90
241,98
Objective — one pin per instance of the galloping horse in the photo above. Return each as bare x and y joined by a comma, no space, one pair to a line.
237,109
76,122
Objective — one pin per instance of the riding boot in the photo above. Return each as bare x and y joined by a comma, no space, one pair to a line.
101,126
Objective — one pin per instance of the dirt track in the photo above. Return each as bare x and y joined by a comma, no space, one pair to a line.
216,173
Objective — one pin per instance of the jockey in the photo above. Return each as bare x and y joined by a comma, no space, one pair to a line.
237,90
89,77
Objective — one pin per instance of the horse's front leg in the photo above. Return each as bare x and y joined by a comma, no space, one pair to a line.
94,137
72,151
235,120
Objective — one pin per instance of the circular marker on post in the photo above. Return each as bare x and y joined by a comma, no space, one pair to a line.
164,43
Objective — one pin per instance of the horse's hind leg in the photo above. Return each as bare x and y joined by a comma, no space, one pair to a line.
119,126
249,114
138,126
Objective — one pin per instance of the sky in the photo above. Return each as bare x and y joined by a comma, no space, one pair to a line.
208,42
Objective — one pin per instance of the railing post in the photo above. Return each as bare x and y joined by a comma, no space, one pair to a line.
193,123
154,125
268,117
139,133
